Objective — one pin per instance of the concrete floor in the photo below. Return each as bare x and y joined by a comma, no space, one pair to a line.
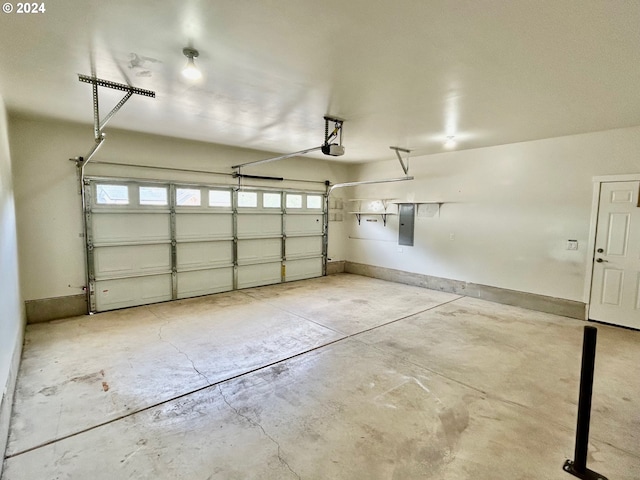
341,377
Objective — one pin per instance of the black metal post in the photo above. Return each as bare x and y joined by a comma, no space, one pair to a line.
578,467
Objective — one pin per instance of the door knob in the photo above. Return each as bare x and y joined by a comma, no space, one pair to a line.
600,250
600,260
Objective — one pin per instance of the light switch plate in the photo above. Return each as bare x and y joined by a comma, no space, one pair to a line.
572,245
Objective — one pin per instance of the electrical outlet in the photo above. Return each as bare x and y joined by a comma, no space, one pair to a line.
572,244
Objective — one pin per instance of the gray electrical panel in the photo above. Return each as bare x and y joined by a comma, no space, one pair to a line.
407,213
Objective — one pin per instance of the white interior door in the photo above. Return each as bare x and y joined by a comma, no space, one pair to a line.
615,286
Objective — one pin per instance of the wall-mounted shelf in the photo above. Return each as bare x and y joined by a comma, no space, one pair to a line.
385,201
431,212
383,214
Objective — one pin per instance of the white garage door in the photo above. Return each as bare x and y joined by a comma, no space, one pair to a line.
149,242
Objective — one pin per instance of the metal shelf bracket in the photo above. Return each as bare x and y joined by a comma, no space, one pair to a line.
405,167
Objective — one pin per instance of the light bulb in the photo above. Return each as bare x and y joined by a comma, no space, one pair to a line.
190,71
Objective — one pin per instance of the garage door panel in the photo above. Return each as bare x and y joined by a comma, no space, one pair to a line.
303,224
259,250
131,260
139,253
256,275
193,226
303,247
204,254
307,268
205,282
130,228
129,292
255,225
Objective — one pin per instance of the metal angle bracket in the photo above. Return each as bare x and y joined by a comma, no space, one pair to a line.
99,125
405,167
116,86
82,161
98,82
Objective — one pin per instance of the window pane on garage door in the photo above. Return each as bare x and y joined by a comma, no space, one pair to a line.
112,194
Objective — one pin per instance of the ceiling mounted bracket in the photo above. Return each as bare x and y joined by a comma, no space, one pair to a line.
405,167
98,125
328,148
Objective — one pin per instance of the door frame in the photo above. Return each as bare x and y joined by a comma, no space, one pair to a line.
591,246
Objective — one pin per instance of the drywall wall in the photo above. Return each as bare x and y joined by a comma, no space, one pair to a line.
11,311
49,206
508,212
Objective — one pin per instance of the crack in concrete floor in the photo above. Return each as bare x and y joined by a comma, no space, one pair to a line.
256,424
182,353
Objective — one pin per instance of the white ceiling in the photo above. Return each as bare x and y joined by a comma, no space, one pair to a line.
406,72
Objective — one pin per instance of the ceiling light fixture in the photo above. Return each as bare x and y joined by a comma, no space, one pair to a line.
190,71
451,142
